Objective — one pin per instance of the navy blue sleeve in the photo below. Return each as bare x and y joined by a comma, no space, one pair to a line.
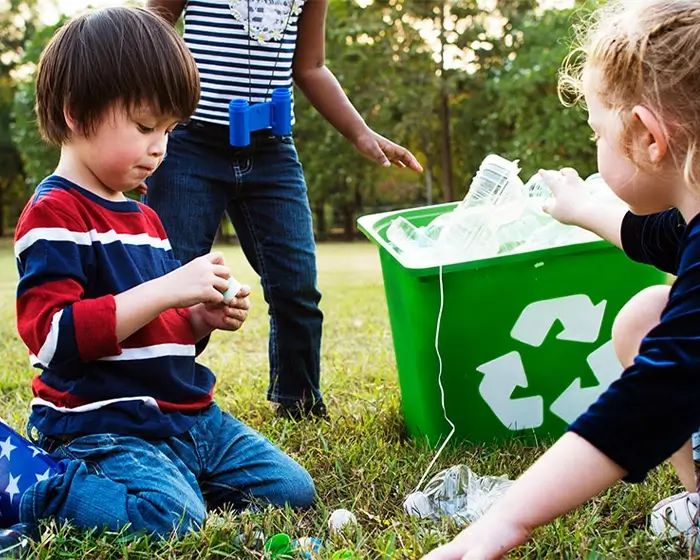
652,410
654,239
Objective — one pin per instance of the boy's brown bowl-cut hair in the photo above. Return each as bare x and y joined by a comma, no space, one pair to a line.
111,56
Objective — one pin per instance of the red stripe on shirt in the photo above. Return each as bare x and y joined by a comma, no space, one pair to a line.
67,400
36,308
168,328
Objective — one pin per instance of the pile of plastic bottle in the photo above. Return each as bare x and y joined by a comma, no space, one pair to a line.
500,215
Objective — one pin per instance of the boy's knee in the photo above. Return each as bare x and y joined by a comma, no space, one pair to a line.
167,518
639,315
299,491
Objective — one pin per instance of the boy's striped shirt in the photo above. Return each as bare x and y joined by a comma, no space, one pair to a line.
75,251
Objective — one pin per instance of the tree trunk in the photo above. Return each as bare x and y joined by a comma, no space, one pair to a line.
320,218
428,183
447,182
447,179
2,212
349,222
358,199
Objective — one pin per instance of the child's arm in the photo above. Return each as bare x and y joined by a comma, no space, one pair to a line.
566,476
654,239
323,91
202,280
169,9
571,205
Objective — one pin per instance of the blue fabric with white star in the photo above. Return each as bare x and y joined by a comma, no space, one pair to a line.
21,466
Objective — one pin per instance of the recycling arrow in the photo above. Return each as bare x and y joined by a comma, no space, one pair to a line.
501,377
581,320
575,400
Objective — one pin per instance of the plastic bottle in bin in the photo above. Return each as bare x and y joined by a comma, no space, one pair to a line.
469,231
515,234
538,192
457,493
467,234
411,242
405,236
491,182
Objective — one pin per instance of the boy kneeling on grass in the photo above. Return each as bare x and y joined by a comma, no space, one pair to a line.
111,319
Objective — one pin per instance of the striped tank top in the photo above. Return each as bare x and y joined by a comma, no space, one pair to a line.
243,48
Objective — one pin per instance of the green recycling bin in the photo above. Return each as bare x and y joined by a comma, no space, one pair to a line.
524,339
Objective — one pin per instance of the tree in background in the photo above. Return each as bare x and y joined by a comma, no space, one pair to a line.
38,158
513,107
379,60
17,24
452,80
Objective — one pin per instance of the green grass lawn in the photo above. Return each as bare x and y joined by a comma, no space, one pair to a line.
362,460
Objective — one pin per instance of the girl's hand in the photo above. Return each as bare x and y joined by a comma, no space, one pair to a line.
569,204
488,538
377,148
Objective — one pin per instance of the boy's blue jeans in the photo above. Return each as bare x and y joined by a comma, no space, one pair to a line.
262,189
166,485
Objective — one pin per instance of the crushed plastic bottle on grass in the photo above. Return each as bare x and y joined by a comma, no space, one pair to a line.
457,493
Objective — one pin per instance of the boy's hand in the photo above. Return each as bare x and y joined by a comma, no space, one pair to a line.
202,280
225,316
570,196
489,538
377,148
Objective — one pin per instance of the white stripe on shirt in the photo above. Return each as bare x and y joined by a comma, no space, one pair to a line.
148,401
87,238
150,352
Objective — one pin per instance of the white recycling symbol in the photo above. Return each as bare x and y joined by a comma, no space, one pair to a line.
582,321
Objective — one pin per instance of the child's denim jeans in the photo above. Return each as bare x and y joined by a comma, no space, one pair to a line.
161,486
262,189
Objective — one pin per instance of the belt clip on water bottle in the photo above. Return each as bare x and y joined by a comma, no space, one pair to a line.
245,118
